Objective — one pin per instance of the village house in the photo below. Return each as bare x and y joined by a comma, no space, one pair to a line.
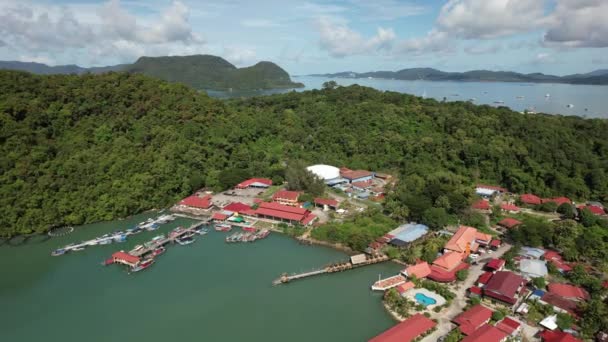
197,202
255,183
509,223
505,286
284,213
286,197
509,207
409,330
420,270
472,319
568,291
530,199
489,190
354,176
486,333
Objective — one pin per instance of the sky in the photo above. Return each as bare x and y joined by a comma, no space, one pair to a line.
550,36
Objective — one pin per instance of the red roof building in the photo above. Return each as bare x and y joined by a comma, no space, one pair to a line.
237,207
474,290
406,331
486,333
495,243
594,209
254,183
559,302
473,318
439,274
125,258
332,203
495,264
509,223
362,185
284,213
481,205
463,241
448,261
195,201
556,259
568,291
484,278
504,286
356,175
557,336
420,270
405,287
530,199
509,326
219,217
509,207
286,197
557,200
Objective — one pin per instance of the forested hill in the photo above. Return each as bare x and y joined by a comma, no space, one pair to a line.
597,77
76,149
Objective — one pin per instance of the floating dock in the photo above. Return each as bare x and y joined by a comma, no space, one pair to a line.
333,268
154,244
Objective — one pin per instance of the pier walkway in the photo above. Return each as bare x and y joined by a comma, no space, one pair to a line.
154,244
333,268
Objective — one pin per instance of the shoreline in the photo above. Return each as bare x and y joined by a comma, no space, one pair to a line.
397,317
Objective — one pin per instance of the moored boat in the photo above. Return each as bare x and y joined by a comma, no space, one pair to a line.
223,227
160,250
250,229
185,240
59,251
142,265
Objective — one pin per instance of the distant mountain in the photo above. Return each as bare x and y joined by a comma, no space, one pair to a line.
43,69
197,71
598,77
212,72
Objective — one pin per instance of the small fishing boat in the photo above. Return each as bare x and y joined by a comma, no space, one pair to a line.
202,231
160,250
263,233
547,95
120,238
185,240
570,105
223,227
158,237
142,265
78,249
105,241
59,251
250,229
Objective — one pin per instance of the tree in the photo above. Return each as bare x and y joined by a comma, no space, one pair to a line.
330,85
462,275
587,218
567,210
564,321
539,282
299,178
435,218
497,315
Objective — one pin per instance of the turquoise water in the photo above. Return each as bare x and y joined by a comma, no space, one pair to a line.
587,100
424,299
206,291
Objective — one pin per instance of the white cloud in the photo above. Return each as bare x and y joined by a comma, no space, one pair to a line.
434,41
239,55
259,23
578,23
387,9
478,49
340,41
486,19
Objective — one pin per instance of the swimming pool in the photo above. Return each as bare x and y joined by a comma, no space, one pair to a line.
425,300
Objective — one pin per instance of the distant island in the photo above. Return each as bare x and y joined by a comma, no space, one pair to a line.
598,77
198,71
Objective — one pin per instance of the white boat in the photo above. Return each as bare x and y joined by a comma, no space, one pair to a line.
388,283
185,241
78,249
548,95
570,105
105,241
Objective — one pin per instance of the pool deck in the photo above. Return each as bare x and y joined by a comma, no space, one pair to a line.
411,293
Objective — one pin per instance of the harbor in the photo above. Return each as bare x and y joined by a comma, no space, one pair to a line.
117,236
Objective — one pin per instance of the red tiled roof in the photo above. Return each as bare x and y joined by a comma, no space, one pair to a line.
495,243
286,195
219,216
407,330
509,222
481,205
440,275
561,265
552,255
350,174
459,241
594,209
197,202
495,264
483,237
279,214
485,278
558,301
475,290
283,212
307,219
362,185
486,333
504,286
249,182
557,336
326,201
473,318
420,270
568,291
405,286
530,199
237,207
509,207
492,187
281,207
557,200
508,325
132,259
448,261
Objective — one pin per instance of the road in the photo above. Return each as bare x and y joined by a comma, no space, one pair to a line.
445,316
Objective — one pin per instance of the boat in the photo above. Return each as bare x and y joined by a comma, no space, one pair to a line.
108,261
120,238
547,95
202,231
158,237
105,241
142,265
223,227
78,249
160,250
250,229
263,233
59,251
520,97
138,247
152,226
388,283
570,105
185,241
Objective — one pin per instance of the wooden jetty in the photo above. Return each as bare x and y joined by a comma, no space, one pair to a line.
154,244
333,268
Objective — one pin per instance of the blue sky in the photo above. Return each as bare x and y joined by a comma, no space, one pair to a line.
551,36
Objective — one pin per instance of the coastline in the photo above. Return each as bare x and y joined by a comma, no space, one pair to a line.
397,317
